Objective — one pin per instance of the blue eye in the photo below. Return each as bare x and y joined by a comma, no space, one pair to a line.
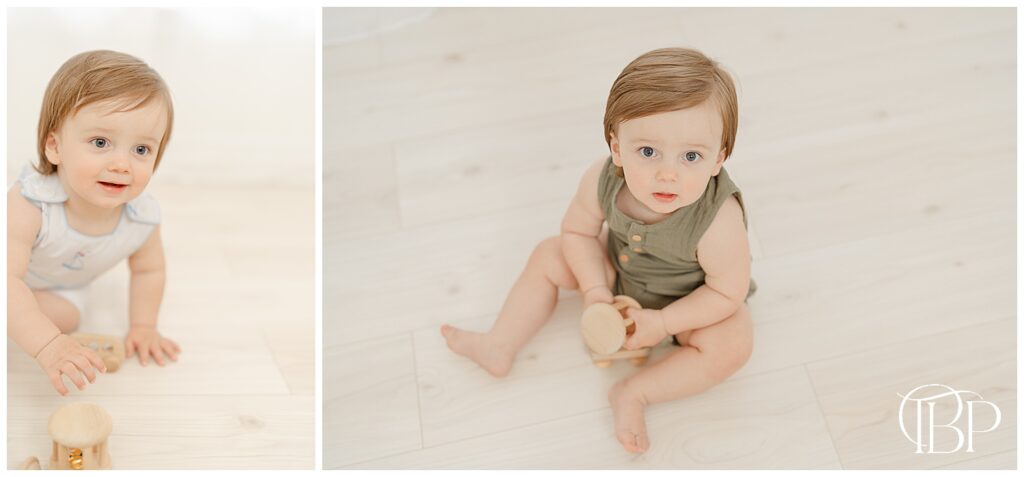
691,156
647,151
99,142
142,150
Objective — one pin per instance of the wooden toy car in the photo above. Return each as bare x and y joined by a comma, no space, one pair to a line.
605,329
109,348
79,432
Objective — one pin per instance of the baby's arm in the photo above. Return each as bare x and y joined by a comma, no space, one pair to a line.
146,293
581,246
57,353
724,254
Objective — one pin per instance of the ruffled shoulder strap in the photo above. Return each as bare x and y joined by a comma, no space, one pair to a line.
39,188
143,209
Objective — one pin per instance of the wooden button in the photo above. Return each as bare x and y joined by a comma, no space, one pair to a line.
623,258
638,250
636,238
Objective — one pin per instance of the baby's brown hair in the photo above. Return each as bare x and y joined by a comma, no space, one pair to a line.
669,79
94,76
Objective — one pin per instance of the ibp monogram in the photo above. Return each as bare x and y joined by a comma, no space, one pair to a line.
923,400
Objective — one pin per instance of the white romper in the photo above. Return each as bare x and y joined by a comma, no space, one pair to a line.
65,260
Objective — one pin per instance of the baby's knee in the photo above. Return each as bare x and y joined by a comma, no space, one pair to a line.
735,354
544,253
548,247
739,351
728,347
726,360
547,258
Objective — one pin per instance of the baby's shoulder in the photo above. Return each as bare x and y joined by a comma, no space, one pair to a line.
728,220
731,207
589,189
591,178
729,213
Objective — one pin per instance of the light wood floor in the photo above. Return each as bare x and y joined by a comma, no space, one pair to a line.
239,301
876,153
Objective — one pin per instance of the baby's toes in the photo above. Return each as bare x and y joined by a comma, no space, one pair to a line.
451,335
446,331
643,442
629,441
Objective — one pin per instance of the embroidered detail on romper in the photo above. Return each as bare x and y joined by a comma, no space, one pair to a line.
76,262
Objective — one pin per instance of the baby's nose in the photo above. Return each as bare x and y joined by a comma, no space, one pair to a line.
118,163
666,174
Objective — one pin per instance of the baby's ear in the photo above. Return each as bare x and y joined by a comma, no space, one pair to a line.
52,149
614,145
719,161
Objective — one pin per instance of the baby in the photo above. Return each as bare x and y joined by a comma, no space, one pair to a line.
104,125
676,240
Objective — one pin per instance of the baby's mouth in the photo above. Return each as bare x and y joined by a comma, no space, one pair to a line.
664,196
113,186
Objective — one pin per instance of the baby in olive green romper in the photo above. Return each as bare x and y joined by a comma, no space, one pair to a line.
675,240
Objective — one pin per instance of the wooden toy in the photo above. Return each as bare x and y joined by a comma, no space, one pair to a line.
79,432
109,348
605,329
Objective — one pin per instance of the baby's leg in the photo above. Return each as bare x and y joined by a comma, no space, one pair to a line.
708,356
61,312
528,306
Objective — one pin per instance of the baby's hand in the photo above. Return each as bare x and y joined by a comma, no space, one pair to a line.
65,356
149,343
650,328
598,294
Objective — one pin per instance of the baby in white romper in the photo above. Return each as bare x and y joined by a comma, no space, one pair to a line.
104,124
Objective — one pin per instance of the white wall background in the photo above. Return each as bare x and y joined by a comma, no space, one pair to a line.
242,81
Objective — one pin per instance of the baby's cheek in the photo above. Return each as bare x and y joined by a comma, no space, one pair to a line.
142,178
694,190
82,178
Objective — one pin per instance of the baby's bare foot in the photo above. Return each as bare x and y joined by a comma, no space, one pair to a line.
628,408
477,347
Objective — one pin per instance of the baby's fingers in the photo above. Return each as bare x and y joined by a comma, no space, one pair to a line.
177,349
129,348
170,348
71,371
94,360
57,382
143,349
158,354
83,364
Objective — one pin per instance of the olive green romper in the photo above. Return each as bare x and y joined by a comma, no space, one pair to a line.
657,264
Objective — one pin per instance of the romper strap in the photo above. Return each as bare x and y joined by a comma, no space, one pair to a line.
144,209
39,188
